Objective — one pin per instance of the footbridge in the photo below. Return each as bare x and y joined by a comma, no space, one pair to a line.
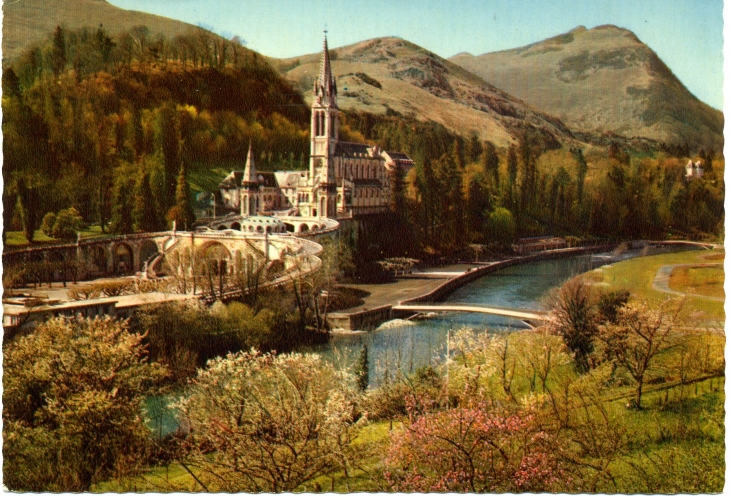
515,313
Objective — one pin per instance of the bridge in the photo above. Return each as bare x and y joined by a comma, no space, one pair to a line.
515,313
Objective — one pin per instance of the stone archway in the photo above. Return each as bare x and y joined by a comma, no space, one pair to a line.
123,259
147,250
216,263
98,259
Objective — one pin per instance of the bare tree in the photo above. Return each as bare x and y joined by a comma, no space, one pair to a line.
638,337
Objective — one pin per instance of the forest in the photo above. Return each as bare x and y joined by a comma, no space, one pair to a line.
126,128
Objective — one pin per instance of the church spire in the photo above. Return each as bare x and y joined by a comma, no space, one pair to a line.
249,173
325,86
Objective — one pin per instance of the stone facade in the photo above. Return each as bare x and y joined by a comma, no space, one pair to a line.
344,179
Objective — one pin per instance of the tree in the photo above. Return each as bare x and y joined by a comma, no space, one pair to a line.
490,163
28,206
49,220
512,177
122,221
68,224
501,227
478,447
582,170
362,369
145,211
169,138
182,213
58,51
478,202
573,318
72,398
638,337
267,423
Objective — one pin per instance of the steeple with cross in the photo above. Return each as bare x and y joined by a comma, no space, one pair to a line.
325,125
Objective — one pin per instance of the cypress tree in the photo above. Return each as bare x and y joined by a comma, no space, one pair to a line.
145,212
58,51
185,216
362,369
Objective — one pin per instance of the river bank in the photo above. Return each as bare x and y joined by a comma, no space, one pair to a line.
430,285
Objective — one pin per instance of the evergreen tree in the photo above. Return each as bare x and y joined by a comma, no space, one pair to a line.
182,213
490,163
478,204
58,51
169,138
475,148
122,221
362,369
145,211
28,206
512,174
582,170
397,191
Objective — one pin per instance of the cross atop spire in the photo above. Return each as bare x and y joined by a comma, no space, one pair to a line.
325,85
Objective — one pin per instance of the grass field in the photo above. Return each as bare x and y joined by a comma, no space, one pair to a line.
706,281
16,239
637,276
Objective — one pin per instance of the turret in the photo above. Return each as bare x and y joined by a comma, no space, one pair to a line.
249,186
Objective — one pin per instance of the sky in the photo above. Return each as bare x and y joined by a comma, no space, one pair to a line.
686,34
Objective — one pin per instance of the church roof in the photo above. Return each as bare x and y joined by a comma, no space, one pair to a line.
352,150
367,182
232,180
268,179
290,179
399,156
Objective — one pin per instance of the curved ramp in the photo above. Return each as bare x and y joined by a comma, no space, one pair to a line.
515,313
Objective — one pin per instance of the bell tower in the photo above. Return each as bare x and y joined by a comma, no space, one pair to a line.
324,135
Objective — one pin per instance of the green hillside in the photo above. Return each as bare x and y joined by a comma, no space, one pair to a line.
603,80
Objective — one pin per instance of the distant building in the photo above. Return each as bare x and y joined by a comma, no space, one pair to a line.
693,170
344,179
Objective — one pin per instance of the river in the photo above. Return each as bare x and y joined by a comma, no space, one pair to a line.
418,343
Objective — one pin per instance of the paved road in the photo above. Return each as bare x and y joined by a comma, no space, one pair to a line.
416,283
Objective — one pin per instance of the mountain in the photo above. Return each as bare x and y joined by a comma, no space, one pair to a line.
394,76
28,21
603,80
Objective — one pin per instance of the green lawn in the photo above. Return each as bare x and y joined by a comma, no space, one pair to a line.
16,239
637,275
707,281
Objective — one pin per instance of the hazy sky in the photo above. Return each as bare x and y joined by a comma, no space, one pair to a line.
686,34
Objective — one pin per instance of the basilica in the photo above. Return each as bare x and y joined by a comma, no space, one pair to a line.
344,179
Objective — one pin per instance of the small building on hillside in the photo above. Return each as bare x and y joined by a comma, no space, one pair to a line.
693,170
